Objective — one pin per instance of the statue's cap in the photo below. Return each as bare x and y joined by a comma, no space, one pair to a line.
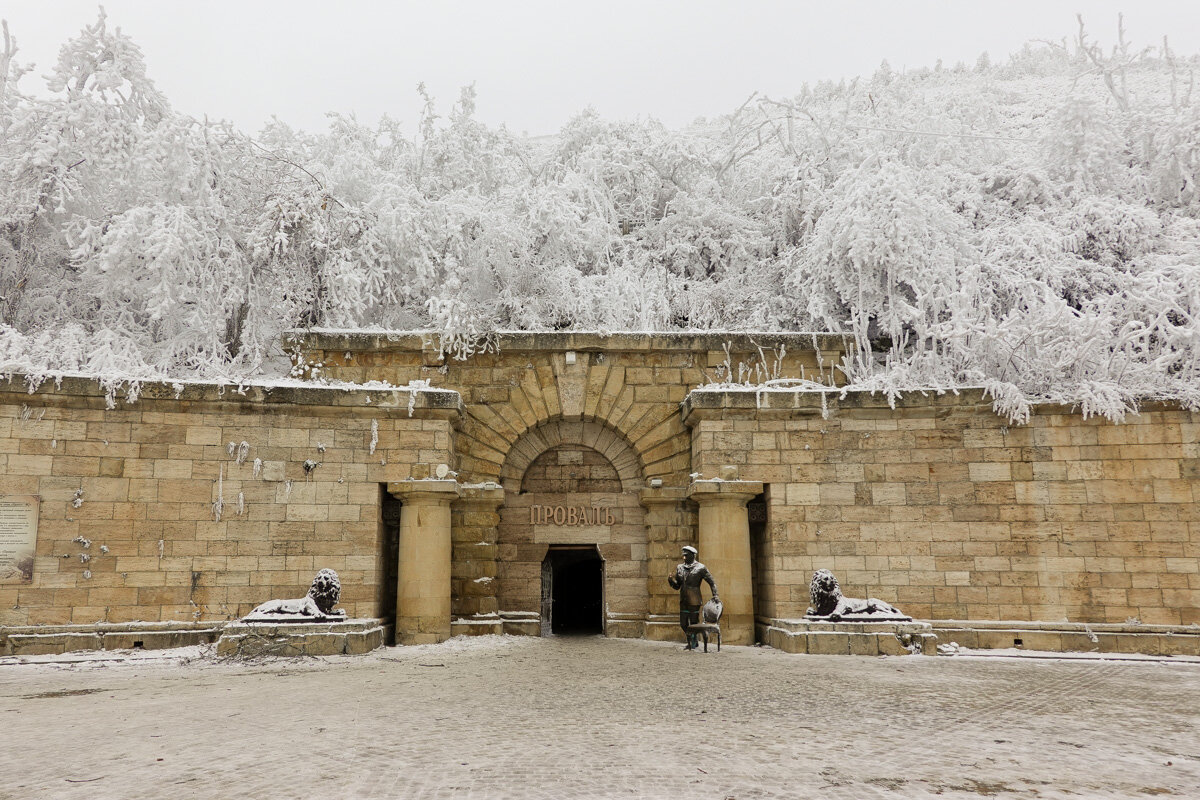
687,548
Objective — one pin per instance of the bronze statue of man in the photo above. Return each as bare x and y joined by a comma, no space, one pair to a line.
686,579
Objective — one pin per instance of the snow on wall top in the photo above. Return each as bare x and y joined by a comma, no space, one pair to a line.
738,341
413,400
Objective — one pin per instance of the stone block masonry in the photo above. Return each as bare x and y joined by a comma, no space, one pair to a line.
197,502
941,507
595,455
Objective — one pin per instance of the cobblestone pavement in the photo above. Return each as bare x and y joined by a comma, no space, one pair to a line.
591,717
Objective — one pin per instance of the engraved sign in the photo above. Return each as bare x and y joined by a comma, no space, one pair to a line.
18,537
571,515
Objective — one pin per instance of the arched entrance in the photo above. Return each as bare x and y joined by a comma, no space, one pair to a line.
571,545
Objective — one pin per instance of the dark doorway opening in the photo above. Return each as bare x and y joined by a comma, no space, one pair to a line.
573,590
760,557
389,554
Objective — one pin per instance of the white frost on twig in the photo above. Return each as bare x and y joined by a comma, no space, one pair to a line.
219,505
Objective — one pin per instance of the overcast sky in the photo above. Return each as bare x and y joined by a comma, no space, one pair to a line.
536,64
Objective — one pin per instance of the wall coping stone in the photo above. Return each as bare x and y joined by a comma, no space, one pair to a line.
743,402
585,341
425,402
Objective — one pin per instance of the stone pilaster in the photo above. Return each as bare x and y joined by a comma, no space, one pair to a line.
669,525
475,518
725,549
423,571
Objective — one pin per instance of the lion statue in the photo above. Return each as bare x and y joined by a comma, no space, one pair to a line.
317,605
828,602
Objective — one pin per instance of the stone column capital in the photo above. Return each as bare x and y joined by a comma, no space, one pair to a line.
432,492
662,496
488,495
719,492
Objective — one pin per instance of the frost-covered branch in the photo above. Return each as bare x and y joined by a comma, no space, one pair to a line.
1028,225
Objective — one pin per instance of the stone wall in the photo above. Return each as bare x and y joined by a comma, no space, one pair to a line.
947,510
937,505
196,499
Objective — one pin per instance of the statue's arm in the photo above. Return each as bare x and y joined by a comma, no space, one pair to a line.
674,581
712,584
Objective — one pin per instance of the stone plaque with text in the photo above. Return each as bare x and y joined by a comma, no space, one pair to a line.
18,537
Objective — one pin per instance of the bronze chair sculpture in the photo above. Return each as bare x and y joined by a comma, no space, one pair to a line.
711,614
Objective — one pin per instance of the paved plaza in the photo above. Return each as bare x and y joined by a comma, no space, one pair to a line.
591,717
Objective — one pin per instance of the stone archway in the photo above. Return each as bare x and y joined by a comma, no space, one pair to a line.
573,484
593,434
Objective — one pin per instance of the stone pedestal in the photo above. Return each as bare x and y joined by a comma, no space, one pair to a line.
283,639
725,550
850,638
423,571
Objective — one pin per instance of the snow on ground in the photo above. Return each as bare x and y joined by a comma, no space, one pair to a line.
588,717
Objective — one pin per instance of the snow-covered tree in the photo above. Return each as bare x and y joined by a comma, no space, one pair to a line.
1031,224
